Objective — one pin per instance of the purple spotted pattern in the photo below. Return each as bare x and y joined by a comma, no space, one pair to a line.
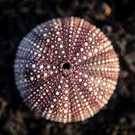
66,70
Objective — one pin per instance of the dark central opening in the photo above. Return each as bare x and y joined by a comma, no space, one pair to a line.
66,65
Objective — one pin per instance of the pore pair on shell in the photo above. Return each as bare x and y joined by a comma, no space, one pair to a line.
66,69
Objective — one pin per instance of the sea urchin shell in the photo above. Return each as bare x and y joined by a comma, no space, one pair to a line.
66,69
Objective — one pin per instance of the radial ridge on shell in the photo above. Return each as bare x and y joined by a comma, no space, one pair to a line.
66,69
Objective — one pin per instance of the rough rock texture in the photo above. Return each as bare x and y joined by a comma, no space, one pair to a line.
116,19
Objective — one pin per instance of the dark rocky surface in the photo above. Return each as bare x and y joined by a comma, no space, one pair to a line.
115,18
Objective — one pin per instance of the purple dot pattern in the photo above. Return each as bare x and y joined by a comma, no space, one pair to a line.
66,70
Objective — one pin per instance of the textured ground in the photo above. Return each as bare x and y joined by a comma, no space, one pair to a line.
117,20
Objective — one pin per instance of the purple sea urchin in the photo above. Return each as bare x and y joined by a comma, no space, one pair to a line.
66,69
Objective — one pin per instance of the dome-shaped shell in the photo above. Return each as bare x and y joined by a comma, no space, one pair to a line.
66,69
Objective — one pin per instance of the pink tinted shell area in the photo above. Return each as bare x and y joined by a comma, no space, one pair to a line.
66,69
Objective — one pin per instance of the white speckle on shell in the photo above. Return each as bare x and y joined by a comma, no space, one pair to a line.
66,69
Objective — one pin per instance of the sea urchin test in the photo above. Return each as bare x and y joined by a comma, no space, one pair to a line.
66,69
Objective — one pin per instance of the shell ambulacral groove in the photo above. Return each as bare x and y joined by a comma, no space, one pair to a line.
66,69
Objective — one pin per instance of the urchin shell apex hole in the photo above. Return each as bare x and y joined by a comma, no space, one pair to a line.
66,66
